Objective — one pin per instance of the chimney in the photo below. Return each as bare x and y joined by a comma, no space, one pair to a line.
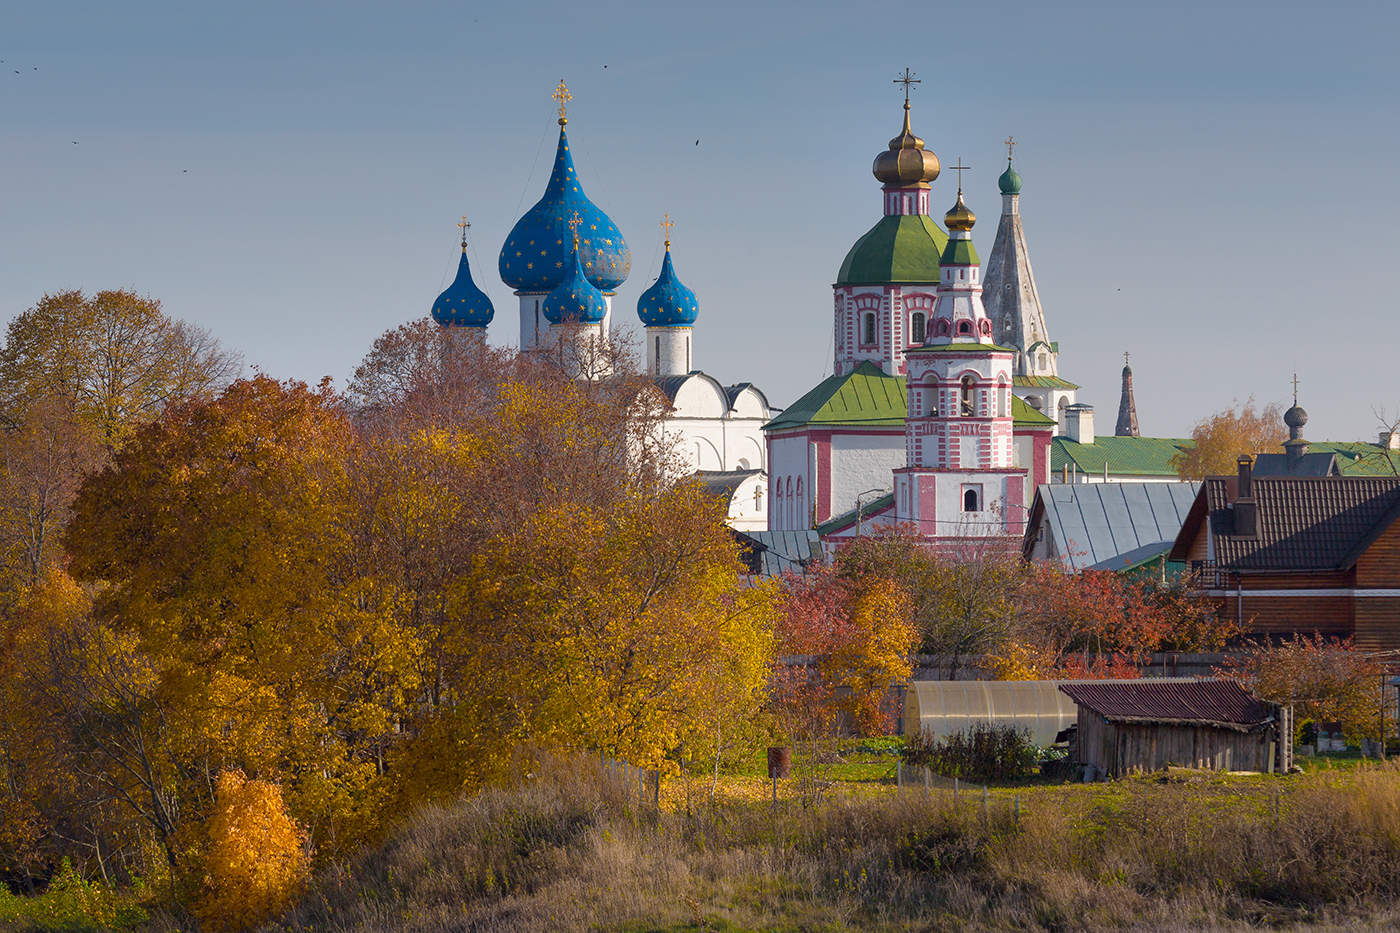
1079,423
1390,440
1245,509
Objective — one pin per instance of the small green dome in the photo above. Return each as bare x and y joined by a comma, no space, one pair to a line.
1010,181
900,249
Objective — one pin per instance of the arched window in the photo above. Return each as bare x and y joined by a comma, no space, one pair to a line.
965,397
972,501
964,327
986,327
943,327
917,327
867,335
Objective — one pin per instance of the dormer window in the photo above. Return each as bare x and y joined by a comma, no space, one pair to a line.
964,328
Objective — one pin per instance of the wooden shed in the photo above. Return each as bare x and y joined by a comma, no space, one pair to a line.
1147,725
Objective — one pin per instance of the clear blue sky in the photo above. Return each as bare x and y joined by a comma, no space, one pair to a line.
1206,184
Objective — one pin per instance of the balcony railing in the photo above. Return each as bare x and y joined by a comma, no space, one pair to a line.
1207,575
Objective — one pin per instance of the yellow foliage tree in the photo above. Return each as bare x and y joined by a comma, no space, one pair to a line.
1218,441
255,861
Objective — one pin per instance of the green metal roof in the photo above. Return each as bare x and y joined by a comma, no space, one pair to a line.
1043,382
846,519
959,253
964,347
1023,414
902,248
1134,456
864,396
1360,458
867,396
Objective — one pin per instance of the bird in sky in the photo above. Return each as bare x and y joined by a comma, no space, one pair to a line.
697,142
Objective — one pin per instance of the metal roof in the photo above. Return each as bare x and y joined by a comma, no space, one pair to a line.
1111,526
1302,523
1144,456
1319,463
723,483
779,552
1201,702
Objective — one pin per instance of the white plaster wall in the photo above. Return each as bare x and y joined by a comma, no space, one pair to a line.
788,458
860,463
746,513
952,520
668,351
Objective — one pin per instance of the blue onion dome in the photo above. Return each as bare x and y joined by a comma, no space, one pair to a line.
535,257
463,304
1010,180
575,299
668,303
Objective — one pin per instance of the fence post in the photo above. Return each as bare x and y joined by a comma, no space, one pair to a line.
955,790
898,773
1016,812
984,803
928,782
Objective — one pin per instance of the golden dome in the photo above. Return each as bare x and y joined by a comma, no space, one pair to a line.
906,163
960,216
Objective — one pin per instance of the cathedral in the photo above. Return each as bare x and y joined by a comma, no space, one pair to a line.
945,410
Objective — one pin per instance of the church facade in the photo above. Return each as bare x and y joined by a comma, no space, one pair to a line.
941,408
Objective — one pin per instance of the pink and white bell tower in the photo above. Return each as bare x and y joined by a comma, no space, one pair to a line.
960,485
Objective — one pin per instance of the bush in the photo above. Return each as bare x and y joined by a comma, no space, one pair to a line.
985,752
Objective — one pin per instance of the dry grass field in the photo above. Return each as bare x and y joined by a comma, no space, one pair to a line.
571,849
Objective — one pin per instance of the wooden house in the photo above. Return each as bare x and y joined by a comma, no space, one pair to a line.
1127,726
1299,554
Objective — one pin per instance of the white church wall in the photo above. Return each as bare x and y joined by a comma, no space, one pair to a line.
748,509
787,464
860,463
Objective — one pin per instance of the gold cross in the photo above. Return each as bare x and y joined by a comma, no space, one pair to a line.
1010,145
908,80
666,224
959,168
562,97
574,223
464,226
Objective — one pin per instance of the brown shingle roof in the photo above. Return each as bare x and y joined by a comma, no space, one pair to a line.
1202,702
1304,523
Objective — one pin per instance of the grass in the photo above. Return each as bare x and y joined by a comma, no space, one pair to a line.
571,850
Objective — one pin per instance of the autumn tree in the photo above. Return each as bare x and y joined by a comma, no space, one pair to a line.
115,358
1326,680
1218,441
847,641
255,861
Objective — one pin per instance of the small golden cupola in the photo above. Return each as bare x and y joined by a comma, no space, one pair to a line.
906,163
959,216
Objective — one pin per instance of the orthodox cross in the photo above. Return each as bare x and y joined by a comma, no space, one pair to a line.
574,223
908,80
666,224
464,226
1010,145
1295,388
1125,357
960,168
562,98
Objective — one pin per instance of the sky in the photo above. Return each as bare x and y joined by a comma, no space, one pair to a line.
1205,184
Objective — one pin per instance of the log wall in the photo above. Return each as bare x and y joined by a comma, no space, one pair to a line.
1117,749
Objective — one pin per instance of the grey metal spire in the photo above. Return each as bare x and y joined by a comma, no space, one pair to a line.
1127,408
1009,293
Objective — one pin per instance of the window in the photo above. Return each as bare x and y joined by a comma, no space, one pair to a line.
943,327
657,364
972,498
964,327
965,402
917,327
1042,360
867,336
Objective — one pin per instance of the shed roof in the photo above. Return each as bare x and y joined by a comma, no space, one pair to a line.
1202,702
1110,526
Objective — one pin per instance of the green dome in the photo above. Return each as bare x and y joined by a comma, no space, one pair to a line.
901,248
1010,181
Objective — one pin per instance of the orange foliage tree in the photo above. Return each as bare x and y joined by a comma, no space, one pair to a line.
255,858
1326,680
